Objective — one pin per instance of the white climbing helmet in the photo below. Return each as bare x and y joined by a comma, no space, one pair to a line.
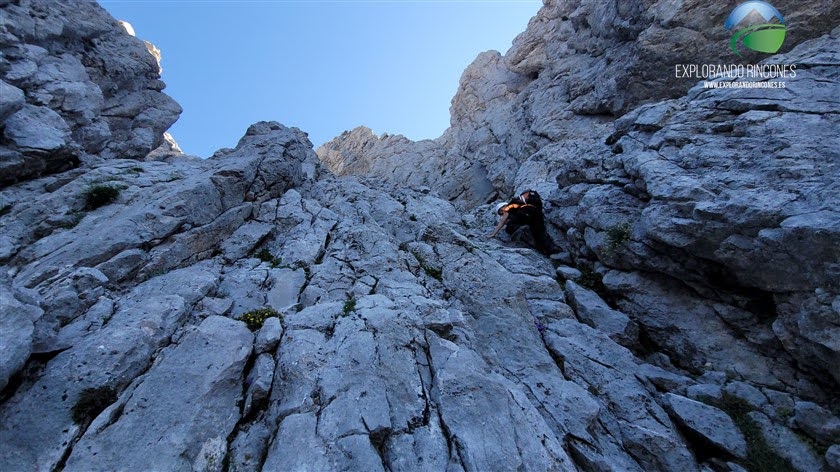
499,206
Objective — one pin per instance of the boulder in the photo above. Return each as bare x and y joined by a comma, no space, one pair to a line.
816,421
710,423
52,135
592,310
786,444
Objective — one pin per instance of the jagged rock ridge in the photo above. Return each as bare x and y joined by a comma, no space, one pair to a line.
75,86
410,342
554,95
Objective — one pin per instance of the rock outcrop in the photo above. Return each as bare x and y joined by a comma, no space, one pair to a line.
554,95
254,311
74,86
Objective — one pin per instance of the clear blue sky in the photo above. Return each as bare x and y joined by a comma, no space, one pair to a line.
323,66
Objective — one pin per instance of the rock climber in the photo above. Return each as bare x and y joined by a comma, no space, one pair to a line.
525,210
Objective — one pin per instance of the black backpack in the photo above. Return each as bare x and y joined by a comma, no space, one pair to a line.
533,198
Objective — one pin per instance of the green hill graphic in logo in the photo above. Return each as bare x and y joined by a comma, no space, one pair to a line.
756,25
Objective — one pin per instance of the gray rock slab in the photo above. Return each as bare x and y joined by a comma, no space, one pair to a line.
709,422
787,444
11,99
592,310
17,327
286,285
217,306
173,415
297,447
249,447
110,357
244,239
259,381
746,392
568,273
269,335
624,404
664,379
461,397
700,392
37,128
123,265
113,356
816,421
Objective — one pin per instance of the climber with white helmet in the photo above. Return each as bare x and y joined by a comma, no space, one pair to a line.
525,210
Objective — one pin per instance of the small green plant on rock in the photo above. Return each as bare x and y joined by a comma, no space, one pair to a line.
432,272
99,195
349,305
760,455
594,281
617,235
254,319
784,414
306,270
91,402
590,279
265,256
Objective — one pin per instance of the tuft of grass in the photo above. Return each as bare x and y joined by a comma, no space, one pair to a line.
412,217
306,270
760,456
816,446
91,402
98,195
349,305
593,281
265,256
254,319
617,235
432,272
785,414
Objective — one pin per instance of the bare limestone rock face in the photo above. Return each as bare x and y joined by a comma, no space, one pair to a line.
193,412
733,192
709,221
404,344
701,308
75,84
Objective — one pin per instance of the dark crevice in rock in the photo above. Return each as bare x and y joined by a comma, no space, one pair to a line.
256,408
558,359
379,440
444,331
648,344
453,444
28,375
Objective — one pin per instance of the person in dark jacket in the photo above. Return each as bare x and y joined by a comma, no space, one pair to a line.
525,210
